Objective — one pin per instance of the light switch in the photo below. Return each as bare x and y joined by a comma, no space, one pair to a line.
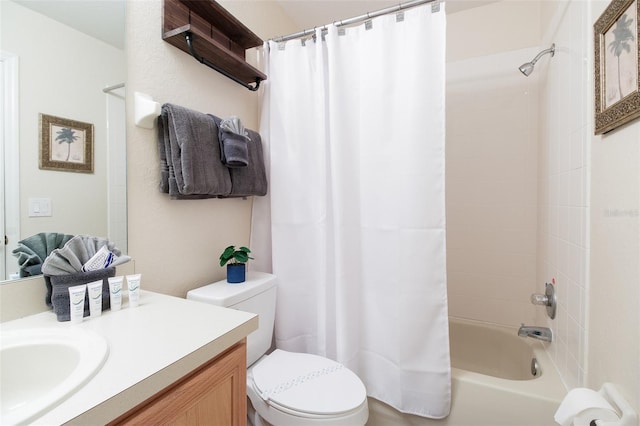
39,207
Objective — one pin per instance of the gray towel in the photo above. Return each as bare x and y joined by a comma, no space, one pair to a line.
163,139
194,154
58,290
233,139
250,180
75,253
32,251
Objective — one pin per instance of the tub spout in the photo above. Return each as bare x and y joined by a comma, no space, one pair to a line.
541,333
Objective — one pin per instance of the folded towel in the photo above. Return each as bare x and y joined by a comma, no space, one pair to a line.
32,251
250,180
194,154
163,148
58,290
233,139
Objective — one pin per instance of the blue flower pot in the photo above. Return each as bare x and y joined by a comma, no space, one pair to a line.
236,273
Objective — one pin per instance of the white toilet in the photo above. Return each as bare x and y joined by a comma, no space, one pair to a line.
287,388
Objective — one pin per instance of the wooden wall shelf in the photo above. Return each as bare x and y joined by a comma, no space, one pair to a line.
208,32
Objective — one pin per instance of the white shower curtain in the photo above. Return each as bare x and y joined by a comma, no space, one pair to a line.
355,221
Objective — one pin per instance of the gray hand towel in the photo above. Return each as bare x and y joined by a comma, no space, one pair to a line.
163,141
194,154
250,180
233,139
32,251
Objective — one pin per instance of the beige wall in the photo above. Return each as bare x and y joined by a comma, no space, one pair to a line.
492,136
176,244
494,28
614,299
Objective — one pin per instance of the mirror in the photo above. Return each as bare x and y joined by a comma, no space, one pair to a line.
58,57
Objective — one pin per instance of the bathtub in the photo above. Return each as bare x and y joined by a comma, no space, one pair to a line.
491,381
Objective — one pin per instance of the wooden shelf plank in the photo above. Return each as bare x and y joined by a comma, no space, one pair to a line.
221,19
217,36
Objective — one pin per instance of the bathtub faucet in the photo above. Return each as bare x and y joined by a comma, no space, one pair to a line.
541,333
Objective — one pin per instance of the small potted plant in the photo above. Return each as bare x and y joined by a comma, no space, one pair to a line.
236,263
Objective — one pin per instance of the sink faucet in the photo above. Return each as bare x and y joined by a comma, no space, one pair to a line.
541,333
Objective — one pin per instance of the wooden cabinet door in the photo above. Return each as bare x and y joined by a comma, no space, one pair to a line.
215,394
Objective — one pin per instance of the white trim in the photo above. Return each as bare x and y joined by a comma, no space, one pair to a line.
9,157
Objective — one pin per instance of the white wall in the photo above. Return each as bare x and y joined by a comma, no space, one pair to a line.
62,73
614,297
492,135
176,244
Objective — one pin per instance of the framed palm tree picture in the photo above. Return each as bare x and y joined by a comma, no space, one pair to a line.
65,145
617,66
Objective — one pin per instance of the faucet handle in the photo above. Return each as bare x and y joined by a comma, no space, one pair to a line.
547,299
539,299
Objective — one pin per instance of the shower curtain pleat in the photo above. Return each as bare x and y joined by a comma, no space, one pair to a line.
354,222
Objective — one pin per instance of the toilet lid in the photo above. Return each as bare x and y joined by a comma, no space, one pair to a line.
307,383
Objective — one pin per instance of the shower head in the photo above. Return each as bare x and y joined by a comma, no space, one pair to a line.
527,68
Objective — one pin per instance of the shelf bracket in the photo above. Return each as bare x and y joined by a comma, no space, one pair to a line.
189,39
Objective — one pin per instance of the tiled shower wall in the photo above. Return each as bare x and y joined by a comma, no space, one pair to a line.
563,182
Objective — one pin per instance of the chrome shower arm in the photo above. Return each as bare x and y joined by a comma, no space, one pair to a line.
551,50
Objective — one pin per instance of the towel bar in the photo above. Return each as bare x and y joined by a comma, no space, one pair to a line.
145,110
189,39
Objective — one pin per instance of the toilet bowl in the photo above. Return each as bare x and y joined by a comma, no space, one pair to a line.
287,388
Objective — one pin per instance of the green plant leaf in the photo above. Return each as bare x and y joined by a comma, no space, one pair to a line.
227,255
240,255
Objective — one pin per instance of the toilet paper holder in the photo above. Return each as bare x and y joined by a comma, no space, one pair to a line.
582,406
628,416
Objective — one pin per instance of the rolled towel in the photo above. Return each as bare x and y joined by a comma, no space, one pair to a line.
234,152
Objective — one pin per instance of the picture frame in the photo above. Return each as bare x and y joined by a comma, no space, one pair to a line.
65,145
617,65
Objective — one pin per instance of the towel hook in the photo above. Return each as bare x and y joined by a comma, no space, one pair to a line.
189,39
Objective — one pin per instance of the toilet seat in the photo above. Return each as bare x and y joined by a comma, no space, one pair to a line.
306,387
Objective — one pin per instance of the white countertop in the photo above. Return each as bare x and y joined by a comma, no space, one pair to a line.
150,347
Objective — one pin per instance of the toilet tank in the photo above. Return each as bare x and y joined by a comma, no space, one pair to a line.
256,295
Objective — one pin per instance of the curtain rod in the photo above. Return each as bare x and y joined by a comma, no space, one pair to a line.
112,88
357,19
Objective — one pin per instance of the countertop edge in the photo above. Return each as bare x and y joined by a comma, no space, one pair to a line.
121,403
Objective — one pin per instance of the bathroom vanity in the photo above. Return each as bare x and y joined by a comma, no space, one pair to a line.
169,359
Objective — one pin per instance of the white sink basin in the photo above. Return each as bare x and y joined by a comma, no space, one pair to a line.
39,367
